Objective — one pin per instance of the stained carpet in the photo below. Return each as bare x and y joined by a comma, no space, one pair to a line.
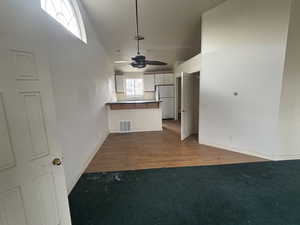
266,193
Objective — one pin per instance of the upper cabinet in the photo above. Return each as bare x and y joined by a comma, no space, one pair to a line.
159,79
163,79
169,78
120,84
149,82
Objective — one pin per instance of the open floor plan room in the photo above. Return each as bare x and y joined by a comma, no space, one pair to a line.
149,112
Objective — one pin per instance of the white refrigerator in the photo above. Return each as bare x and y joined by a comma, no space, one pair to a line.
166,94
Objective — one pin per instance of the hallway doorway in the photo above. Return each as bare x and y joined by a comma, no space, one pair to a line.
187,104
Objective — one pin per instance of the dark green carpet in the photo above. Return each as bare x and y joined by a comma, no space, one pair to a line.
253,194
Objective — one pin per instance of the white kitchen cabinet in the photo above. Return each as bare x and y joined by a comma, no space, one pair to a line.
159,79
120,87
149,82
163,79
169,78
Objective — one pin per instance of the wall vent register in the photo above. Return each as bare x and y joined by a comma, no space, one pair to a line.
125,126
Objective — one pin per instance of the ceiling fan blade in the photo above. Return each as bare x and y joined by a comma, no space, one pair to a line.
121,62
156,63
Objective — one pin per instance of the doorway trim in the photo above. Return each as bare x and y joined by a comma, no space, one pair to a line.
177,84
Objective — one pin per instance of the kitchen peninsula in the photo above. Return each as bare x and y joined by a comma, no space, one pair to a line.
134,116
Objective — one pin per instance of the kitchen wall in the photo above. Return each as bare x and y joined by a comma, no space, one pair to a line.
290,104
242,63
82,76
147,95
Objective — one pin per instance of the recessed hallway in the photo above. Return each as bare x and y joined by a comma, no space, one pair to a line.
135,151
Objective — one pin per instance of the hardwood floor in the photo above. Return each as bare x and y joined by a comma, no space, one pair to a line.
147,150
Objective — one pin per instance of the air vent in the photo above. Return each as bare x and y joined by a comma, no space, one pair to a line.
125,126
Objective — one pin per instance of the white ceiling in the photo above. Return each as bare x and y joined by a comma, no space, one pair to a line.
171,28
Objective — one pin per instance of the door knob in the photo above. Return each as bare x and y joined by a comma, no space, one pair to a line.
56,162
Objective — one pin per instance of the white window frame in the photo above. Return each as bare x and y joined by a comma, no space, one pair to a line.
78,17
135,95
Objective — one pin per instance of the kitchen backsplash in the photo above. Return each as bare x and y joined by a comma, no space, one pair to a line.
147,96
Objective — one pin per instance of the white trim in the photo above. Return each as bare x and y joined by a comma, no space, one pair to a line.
79,19
242,151
177,79
286,157
87,162
253,153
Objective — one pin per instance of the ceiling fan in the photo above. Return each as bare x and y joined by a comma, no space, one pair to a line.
139,61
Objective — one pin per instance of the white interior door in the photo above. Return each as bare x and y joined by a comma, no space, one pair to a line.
186,105
32,188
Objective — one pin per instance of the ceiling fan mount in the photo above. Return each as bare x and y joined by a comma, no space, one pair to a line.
139,38
139,61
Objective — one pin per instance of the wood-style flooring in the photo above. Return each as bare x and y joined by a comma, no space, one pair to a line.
135,151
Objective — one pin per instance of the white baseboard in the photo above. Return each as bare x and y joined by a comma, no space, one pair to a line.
242,151
87,162
286,157
253,153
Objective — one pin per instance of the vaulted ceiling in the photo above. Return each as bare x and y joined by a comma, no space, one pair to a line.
172,28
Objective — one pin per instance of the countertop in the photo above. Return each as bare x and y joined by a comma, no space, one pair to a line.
133,102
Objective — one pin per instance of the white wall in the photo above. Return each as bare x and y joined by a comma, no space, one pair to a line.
190,66
82,76
243,51
82,82
140,119
290,104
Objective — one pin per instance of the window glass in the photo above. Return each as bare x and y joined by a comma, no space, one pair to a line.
65,13
134,87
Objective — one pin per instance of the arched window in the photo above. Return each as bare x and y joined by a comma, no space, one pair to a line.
67,13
